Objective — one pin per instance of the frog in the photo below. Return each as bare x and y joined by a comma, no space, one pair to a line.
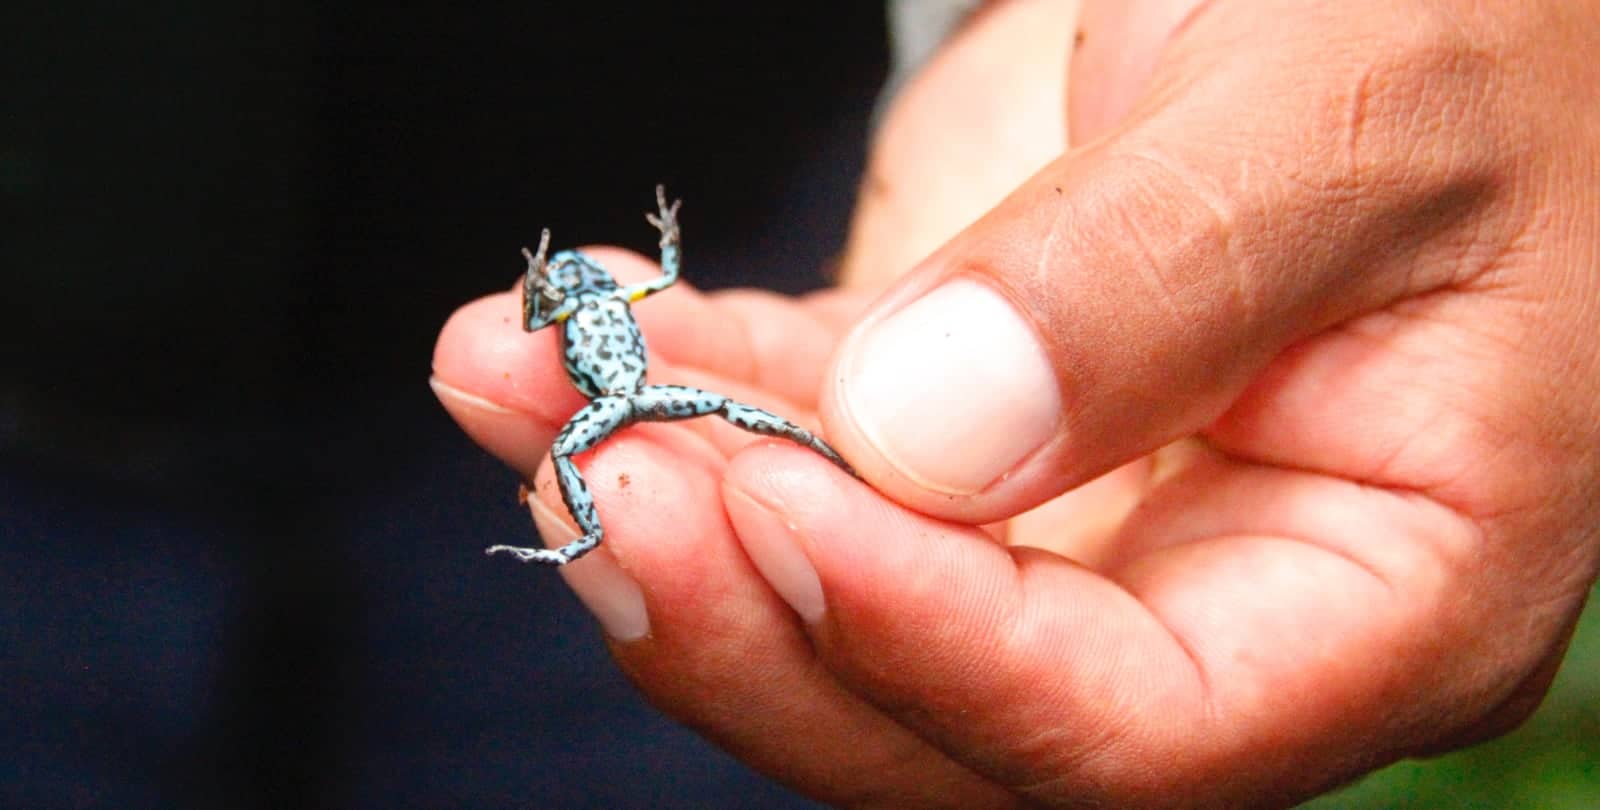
603,353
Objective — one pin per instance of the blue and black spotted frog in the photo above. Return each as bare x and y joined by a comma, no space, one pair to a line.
604,355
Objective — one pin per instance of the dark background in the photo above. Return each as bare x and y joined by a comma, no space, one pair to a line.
240,545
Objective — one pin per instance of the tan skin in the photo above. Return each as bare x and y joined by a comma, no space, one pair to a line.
1323,291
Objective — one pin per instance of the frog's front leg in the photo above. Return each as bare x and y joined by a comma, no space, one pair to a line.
542,303
666,221
587,428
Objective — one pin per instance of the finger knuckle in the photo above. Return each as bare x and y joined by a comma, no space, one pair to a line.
1187,233
1416,105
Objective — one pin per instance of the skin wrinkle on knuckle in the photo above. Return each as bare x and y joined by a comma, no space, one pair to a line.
1426,85
1409,199
1197,242
1108,222
1401,128
1209,216
1407,124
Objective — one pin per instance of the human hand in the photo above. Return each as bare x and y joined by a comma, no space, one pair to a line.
1352,250
1344,256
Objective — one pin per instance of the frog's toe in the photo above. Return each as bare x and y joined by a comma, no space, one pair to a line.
543,556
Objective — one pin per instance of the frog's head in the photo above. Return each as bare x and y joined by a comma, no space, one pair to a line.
547,284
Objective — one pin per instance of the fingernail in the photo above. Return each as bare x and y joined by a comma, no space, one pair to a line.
602,586
953,390
511,435
453,398
774,547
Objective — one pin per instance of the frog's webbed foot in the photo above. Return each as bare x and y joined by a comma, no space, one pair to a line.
545,556
575,494
588,427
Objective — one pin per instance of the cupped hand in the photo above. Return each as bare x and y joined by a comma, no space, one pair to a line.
1247,446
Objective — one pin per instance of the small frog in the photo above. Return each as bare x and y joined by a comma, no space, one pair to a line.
604,355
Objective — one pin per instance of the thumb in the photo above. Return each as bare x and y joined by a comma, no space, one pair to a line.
1126,294
1118,46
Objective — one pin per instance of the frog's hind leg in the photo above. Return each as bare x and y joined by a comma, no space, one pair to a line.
663,403
755,420
587,428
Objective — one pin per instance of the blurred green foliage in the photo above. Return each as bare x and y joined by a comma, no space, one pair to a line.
1551,763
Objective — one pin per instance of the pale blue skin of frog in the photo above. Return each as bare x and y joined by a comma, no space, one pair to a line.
604,354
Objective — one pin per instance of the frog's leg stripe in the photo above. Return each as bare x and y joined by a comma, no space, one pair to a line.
665,403
587,428
665,221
